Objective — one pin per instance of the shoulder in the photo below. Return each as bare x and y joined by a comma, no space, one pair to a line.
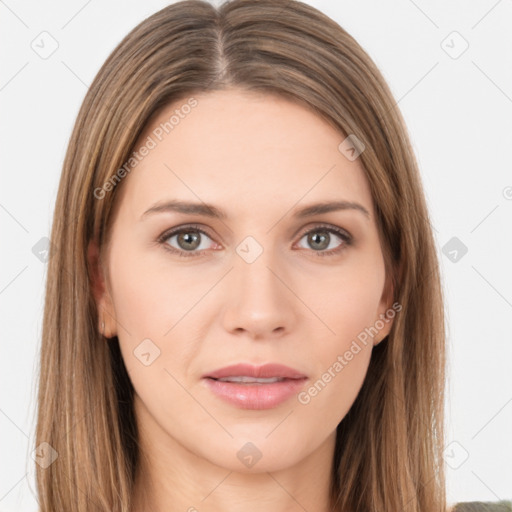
482,506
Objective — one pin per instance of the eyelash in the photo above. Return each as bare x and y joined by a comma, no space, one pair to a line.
162,239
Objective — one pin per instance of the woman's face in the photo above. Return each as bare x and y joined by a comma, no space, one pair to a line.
259,278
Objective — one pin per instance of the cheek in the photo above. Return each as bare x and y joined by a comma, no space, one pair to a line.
341,357
347,304
347,298
331,394
154,310
151,295
153,307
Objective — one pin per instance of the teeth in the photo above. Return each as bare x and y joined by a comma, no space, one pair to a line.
251,379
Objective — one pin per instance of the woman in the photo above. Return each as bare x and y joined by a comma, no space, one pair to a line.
243,306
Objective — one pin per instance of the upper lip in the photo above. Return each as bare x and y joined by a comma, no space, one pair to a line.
264,371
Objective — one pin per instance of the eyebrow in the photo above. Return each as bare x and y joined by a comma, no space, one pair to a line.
208,210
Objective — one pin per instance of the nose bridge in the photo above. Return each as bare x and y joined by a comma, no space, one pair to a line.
259,302
255,273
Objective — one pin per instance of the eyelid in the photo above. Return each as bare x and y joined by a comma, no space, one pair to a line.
328,227
331,228
180,229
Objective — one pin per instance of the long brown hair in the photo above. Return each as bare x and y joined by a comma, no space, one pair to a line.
388,454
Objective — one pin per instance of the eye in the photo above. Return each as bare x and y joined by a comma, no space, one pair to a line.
320,238
189,240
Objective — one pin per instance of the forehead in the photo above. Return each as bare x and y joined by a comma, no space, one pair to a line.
236,144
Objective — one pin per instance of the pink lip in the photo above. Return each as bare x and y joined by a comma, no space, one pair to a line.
256,395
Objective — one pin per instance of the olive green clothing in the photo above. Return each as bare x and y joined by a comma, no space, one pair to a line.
483,506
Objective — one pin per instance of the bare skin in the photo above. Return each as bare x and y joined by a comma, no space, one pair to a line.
259,158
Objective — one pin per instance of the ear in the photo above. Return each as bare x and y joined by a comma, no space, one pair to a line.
386,312
100,289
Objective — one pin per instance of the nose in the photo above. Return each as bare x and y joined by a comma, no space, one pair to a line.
260,301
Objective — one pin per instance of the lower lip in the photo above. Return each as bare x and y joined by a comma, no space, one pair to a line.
256,396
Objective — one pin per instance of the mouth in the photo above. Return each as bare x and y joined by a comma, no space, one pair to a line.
255,387
244,379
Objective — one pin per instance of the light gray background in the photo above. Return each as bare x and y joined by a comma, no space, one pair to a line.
459,113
